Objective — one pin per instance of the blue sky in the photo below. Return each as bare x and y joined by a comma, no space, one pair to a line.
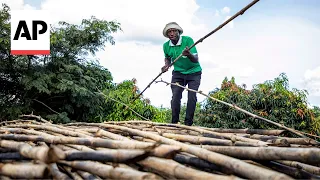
272,37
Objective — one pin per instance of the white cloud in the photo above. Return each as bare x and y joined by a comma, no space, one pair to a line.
225,10
312,81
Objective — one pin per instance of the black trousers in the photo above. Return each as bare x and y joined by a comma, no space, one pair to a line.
193,82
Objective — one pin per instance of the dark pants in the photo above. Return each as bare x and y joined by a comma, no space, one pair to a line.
193,82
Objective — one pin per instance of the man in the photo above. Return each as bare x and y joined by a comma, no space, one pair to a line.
187,70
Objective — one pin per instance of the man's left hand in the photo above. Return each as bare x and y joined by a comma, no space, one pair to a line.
186,52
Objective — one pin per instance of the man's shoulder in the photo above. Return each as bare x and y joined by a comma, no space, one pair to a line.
186,38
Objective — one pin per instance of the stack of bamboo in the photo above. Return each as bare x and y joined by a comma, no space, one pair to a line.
146,150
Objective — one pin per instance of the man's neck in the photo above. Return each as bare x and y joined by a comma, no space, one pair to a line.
175,41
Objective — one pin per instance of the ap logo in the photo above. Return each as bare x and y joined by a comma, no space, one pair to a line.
30,32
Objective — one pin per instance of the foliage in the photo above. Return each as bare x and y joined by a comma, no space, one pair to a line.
61,86
125,92
272,100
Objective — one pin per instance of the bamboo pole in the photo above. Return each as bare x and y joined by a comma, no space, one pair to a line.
274,132
307,155
41,153
24,170
239,109
165,151
47,127
86,175
179,171
236,165
74,175
12,156
107,171
56,173
291,171
95,142
299,165
106,155
198,140
199,163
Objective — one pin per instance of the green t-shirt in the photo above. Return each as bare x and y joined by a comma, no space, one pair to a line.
183,64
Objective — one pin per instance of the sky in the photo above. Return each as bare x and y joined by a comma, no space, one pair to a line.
270,38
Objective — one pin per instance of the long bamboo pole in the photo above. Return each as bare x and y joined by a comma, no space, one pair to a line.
307,155
179,171
95,142
239,109
107,171
241,12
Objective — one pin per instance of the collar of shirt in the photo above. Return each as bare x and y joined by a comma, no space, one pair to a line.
178,43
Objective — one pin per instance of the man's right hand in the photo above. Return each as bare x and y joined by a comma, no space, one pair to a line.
164,68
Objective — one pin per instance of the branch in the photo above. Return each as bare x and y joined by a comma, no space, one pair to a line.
46,106
238,108
124,105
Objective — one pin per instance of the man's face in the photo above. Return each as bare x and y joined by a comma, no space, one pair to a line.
173,34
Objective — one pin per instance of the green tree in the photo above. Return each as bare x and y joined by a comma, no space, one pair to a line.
272,100
122,95
61,86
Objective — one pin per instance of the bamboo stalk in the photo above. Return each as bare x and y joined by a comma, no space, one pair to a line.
24,170
56,173
274,132
36,117
241,110
41,153
299,165
199,163
236,165
47,127
107,171
106,155
88,176
198,140
179,171
307,155
165,151
291,171
95,142
74,175
12,156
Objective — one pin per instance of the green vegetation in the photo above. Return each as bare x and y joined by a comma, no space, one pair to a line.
66,85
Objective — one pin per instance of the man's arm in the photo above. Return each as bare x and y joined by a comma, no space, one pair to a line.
193,57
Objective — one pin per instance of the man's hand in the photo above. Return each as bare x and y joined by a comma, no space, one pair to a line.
164,68
186,52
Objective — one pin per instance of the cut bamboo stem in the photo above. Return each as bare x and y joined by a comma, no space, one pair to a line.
94,142
106,155
299,165
24,170
198,140
50,128
41,153
56,173
274,132
88,176
307,155
179,171
107,171
199,163
74,175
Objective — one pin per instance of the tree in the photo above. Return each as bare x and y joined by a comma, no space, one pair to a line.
63,85
272,100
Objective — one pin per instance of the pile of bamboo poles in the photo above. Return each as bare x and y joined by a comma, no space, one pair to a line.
36,148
